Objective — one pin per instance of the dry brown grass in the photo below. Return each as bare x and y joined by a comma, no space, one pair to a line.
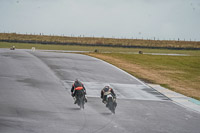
100,41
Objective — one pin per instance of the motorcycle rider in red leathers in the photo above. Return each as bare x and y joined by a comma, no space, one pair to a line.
76,88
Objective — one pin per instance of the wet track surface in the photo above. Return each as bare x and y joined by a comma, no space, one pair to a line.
35,97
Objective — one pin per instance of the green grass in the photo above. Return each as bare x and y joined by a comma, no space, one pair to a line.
92,48
189,65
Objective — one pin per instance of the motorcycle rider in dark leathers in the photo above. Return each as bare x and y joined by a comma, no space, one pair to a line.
77,87
105,91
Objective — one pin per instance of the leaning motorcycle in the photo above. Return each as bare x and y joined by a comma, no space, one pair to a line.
111,103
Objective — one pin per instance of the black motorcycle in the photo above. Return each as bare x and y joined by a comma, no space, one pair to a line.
80,99
111,103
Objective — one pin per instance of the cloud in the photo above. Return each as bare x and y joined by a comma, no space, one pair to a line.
127,18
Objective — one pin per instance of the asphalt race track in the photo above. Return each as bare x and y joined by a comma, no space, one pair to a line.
35,98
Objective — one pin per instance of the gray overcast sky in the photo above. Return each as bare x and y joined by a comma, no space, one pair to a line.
163,19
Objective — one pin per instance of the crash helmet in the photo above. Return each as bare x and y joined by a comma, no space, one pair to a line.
106,88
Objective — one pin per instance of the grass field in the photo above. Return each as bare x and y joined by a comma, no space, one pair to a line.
178,73
100,41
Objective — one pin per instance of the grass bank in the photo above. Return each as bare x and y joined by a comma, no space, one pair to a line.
95,41
178,73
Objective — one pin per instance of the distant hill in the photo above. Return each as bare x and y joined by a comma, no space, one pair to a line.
94,41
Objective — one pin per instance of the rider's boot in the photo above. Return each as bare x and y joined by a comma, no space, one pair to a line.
75,101
105,102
